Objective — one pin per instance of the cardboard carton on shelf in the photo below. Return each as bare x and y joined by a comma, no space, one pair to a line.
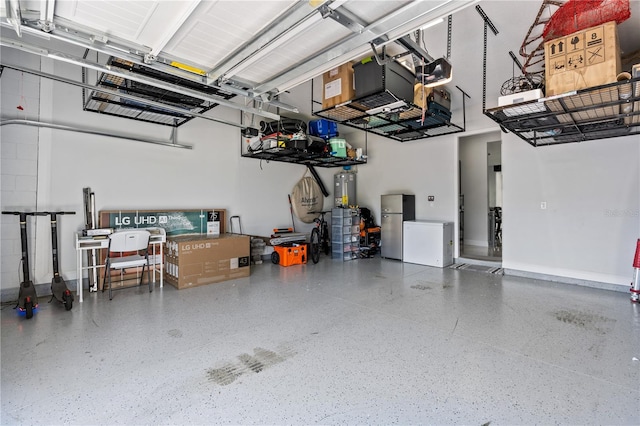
423,96
338,86
583,59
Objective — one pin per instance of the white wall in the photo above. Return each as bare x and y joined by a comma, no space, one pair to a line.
590,226
48,169
587,232
19,152
421,168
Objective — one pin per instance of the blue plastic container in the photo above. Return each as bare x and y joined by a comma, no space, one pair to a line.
323,128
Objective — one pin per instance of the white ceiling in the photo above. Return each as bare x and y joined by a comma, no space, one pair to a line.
265,47
268,46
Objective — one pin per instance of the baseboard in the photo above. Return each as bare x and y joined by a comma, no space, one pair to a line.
567,280
476,243
42,291
481,262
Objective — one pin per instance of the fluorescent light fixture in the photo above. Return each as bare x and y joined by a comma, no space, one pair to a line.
435,73
432,23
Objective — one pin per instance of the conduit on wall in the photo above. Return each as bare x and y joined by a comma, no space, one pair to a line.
34,123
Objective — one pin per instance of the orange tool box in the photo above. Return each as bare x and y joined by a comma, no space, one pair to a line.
289,254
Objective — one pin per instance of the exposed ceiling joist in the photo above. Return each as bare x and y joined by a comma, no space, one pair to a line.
174,23
382,31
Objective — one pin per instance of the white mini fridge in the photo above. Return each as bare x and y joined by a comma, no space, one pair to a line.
428,242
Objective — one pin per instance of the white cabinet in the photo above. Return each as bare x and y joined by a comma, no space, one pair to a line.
428,242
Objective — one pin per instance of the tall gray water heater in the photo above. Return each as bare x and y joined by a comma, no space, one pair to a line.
344,189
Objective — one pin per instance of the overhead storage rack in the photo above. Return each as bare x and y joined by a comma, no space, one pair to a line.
287,155
402,124
600,112
112,104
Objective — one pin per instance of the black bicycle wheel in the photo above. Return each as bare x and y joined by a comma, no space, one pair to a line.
326,243
314,245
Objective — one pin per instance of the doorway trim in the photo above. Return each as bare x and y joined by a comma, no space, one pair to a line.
457,178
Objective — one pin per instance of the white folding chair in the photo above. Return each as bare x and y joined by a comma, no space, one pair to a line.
128,249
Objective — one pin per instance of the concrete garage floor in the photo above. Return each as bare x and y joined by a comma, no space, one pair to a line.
371,341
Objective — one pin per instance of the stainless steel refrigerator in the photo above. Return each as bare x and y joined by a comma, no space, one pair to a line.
396,208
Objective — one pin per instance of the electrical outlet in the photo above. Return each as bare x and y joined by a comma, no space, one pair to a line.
543,205
431,198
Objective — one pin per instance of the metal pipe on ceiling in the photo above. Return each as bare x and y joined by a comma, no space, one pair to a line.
47,8
116,93
34,123
173,28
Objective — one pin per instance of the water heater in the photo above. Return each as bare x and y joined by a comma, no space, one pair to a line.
344,189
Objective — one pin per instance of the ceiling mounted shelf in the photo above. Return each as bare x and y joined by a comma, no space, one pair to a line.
287,141
286,155
382,114
112,104
601,112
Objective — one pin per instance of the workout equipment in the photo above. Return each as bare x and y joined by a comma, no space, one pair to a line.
59,289
27,298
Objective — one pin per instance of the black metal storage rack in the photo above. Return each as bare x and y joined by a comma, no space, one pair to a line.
287,155
403,124
112,104
595,113
284,154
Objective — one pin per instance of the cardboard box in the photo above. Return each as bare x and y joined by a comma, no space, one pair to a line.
174,222
583,59
422,96
200,259
338,86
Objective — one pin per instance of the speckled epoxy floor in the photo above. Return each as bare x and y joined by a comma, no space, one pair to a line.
371,341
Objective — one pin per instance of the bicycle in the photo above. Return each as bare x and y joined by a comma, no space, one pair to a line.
319,238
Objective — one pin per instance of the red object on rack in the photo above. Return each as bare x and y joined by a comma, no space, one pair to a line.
636,259
578,15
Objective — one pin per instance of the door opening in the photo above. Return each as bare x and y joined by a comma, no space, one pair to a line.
480,197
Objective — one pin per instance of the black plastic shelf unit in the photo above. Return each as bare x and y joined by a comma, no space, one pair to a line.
403,124
601,112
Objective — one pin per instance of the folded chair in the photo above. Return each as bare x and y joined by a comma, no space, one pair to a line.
127,249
